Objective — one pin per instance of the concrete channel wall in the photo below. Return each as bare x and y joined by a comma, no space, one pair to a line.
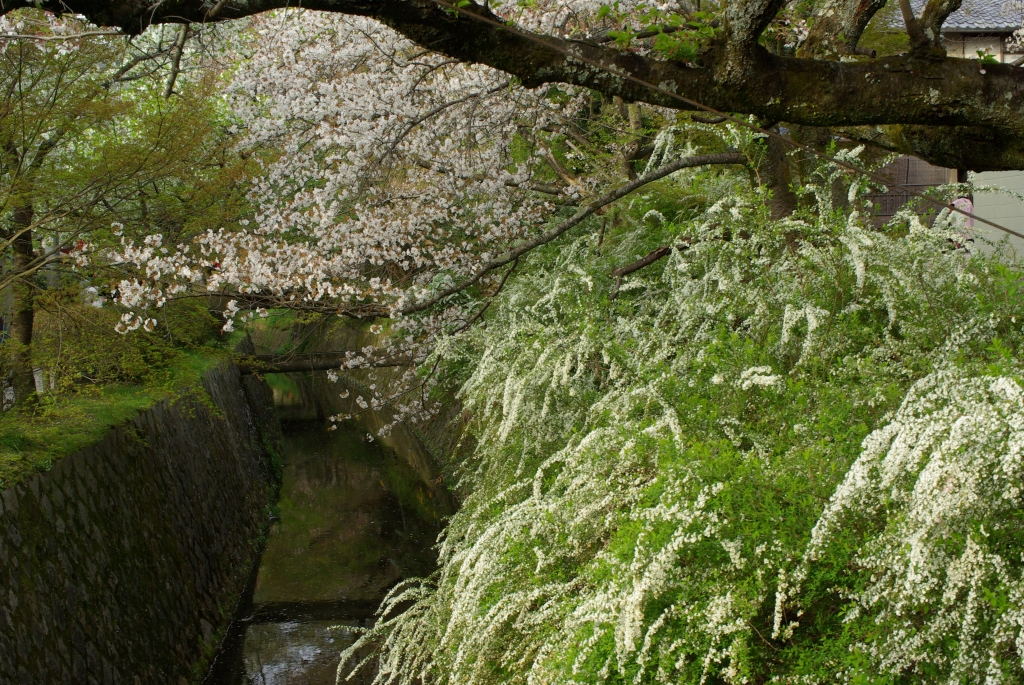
123,563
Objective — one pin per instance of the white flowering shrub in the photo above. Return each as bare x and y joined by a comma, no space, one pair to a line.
935,500
789,452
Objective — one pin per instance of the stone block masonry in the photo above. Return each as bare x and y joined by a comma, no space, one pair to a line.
123,563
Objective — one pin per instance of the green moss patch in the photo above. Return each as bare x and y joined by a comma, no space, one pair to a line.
33,439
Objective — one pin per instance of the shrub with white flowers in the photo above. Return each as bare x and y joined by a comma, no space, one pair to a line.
789,453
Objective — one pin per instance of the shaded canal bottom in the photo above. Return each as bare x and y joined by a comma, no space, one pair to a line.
287,652
356,517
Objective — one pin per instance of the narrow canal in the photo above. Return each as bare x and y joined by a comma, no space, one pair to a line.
356,515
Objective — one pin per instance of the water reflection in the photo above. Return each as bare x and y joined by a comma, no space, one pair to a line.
356,517
296,652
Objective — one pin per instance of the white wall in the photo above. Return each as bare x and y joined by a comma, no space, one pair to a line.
1003,210
967,46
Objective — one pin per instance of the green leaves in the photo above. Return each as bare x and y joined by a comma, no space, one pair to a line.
675,36
985,57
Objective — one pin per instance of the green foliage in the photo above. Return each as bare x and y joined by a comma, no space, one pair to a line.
76,344
676,36
32,439
985,57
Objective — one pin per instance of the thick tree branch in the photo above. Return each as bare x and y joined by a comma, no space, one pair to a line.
934,15
746,20
733,75
917,38
839,26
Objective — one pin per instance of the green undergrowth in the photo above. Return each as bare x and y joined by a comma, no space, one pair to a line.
33,439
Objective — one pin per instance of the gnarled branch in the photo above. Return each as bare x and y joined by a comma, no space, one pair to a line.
917,38
839,26
746,20
934,16
732,75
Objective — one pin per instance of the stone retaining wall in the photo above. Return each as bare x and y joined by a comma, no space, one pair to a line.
123,563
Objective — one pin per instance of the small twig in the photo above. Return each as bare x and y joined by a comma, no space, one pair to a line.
487,304
131,64
762,636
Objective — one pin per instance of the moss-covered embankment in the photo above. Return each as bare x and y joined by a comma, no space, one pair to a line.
122,564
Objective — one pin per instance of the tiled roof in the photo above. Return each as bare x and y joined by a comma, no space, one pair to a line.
979,16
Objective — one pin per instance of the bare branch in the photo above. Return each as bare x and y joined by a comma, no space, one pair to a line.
119,75
179,48
435,111
69,36
501,286
650,258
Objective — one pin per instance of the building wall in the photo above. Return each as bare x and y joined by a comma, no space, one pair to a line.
1002,209
909,172
966,45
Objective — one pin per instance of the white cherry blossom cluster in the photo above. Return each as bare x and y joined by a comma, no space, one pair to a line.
391,175
385,174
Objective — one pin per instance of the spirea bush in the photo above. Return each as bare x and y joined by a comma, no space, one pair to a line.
790,453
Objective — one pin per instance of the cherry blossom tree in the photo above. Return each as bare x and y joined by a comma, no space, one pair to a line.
394,183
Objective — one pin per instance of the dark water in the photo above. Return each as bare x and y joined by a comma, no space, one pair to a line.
356,517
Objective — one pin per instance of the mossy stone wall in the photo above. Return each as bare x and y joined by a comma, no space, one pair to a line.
123,563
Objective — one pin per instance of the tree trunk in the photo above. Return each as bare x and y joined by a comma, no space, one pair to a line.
775,175
24,311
